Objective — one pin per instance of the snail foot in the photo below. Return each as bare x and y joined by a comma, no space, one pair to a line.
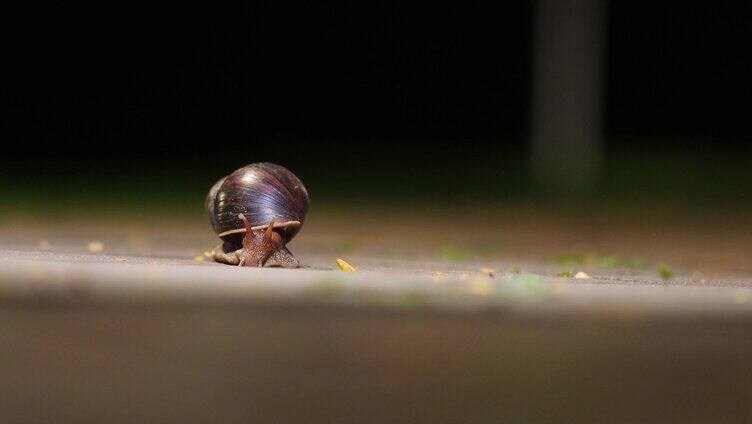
220,255
283,258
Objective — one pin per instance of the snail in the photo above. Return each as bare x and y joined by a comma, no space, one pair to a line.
256,211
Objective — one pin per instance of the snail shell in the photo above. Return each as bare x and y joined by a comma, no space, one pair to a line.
262,192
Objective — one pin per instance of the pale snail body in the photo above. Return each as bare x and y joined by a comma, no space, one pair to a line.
252,197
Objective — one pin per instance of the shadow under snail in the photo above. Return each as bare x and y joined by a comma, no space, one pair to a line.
256,211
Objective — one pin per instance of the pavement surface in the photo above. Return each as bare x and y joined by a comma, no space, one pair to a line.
445,320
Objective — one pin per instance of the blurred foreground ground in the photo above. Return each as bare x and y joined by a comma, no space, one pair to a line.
455,315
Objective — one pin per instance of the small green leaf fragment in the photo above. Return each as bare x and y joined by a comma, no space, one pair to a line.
665,271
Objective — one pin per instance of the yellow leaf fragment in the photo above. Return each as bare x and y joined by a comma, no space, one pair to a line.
581,276
344,266
488,271
95,246
199,258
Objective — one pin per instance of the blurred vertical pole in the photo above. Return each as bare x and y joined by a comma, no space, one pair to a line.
567,109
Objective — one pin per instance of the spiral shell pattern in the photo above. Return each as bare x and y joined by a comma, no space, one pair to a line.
262,192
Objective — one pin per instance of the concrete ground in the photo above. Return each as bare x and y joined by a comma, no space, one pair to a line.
453,316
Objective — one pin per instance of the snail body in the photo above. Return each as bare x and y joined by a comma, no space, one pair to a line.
256,211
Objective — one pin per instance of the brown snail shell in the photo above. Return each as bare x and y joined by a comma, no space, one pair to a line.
262,192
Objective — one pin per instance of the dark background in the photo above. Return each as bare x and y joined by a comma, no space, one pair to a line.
363,100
